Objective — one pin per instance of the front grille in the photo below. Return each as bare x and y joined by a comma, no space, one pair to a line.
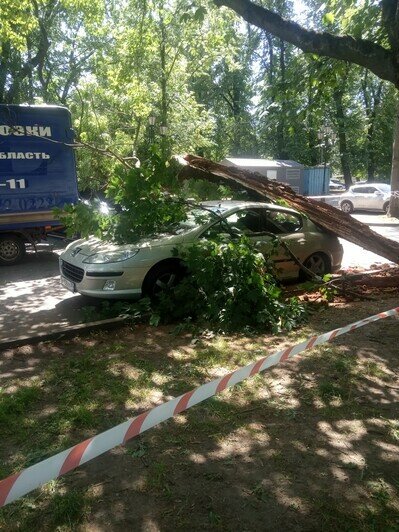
71,272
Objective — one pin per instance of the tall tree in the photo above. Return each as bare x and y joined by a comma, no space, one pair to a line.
45,46
379,55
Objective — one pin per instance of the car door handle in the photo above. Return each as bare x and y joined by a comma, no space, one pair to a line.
301,241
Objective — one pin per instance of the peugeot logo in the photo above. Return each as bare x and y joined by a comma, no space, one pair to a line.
75,251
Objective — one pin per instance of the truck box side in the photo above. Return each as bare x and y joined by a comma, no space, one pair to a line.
37,167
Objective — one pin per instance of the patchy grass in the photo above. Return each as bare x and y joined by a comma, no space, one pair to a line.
67,509
312,444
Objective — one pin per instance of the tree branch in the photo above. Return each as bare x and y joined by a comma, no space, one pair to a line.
381,61
322,214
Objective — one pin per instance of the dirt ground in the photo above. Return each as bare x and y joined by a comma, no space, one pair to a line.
312,444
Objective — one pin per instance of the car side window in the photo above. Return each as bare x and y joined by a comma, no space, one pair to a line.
261,221
364,190
283,222
247,221
252,222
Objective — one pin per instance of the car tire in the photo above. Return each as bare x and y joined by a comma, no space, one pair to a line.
346,206
162,278
12,250
318,263
385,207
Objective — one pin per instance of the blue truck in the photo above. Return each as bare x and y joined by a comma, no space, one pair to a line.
37,174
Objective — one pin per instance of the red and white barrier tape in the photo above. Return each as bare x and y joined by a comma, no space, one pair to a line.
19,484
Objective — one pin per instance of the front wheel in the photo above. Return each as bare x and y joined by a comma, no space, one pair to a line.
385,207
12,250
318,264
347,206
162,279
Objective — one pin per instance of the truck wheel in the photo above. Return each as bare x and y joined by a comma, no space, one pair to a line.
347,206
12,250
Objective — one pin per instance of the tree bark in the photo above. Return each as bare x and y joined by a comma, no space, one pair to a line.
322,214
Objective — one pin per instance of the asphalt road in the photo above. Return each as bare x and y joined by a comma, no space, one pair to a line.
32,299
357,256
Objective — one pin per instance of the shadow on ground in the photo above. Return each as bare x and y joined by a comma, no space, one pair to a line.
32,299
310,445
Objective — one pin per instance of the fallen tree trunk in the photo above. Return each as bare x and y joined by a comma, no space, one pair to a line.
330,218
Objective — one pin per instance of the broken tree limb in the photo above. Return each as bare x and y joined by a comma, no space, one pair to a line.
322,214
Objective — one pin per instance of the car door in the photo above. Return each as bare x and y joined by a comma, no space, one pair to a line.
367,198
289,229
358,197
375,198
370,199
265,226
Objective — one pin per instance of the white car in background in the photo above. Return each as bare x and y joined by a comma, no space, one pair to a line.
367,196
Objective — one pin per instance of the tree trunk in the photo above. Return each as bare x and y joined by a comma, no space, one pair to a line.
343,147
314,156
236,109
371,104
324,215
370,156
4,65
164,89
394,203
281,125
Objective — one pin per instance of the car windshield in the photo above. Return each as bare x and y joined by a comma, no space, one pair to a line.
199,216
384,188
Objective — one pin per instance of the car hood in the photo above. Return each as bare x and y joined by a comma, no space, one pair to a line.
95,245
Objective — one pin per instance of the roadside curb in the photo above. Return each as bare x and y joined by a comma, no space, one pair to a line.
62,332
381,224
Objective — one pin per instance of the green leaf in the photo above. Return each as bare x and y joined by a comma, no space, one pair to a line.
199,15
328,18
155,319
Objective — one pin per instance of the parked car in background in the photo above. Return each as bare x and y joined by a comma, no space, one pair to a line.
367,196
95,268
336,187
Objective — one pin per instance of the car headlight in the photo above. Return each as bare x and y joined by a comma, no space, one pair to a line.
111,256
